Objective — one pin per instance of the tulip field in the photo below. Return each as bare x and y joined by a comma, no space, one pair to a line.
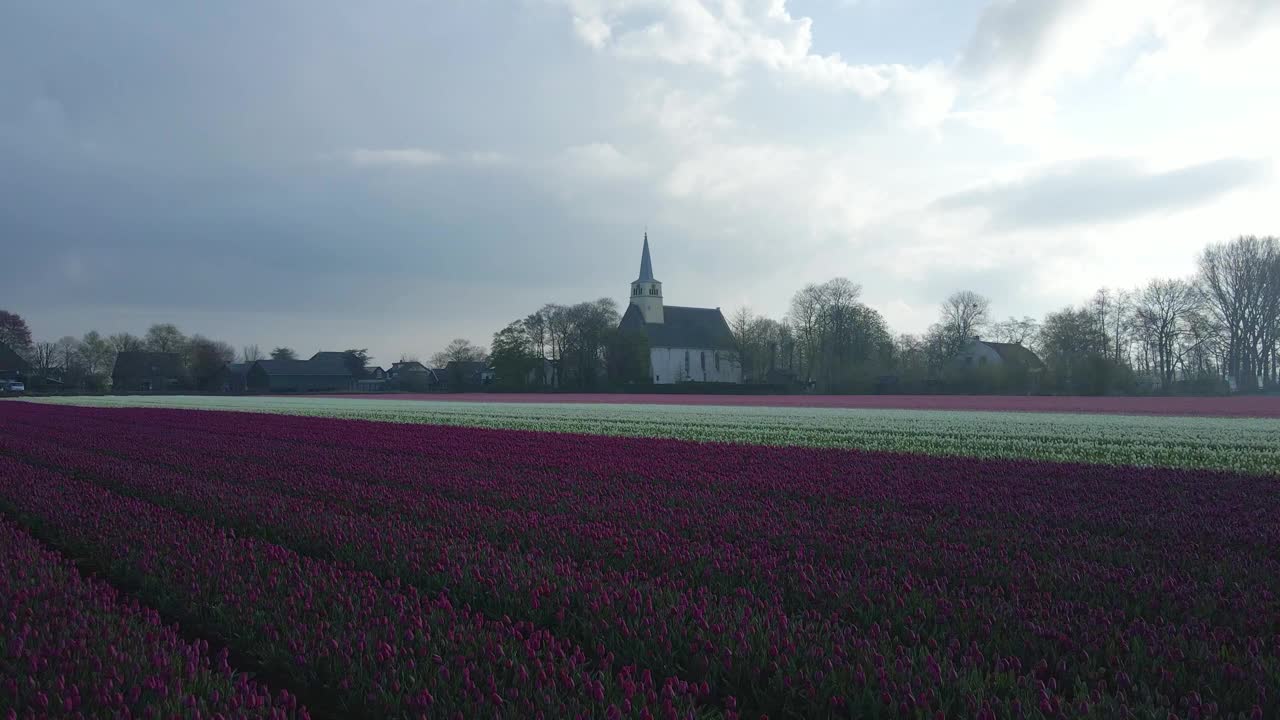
174,562
1244,444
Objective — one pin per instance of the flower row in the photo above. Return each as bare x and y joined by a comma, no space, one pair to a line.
75,648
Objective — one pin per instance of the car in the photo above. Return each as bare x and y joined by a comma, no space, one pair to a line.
13,386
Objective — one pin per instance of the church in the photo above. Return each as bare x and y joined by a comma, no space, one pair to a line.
686,344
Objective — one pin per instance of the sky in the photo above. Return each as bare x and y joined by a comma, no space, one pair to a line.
390,175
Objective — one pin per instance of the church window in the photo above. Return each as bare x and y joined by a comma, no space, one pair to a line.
686,362
703,360
717,360
653,289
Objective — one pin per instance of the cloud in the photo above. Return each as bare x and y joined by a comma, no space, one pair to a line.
730,38
1103,190
401,157
594,31
602,160
487,158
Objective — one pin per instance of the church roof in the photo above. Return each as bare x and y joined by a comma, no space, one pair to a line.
683,327
646,265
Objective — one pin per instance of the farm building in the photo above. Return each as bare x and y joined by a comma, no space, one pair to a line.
314,375
145,371
462,375
982,353
236,379
412,376
12,366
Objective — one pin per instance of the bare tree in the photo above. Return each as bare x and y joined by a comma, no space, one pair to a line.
69,359
97,352
165,337
250,354
460,350
44,358
964,314
126,342
1165,309
806,306
535,326
1013,330
1238,279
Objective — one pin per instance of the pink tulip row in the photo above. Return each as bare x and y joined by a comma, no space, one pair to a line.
778,579
73,647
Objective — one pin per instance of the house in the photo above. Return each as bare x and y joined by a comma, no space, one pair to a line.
374,380
145,371
686,344
462,375
979,353
412,376
544,374
315,375
12,366
236,379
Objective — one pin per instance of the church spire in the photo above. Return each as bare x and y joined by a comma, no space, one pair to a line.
646,265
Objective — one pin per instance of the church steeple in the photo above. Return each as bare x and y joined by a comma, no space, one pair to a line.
646,293
646,265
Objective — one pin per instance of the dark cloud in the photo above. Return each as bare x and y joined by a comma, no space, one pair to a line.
1103,190
1011,34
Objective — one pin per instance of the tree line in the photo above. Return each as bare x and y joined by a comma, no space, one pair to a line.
85,363
1216,331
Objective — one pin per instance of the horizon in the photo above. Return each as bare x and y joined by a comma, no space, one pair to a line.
325,177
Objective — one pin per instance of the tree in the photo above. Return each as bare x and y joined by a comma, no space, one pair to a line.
283,353
126,342
964,314
1013,330
250,354
14,332
165,337
803,315
1075,348
586,329
206,360
98,354
1237,280
627,357
69,362
513,357
1164,312
357,362
459,350
44,359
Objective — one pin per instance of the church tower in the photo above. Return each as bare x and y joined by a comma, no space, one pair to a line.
646,293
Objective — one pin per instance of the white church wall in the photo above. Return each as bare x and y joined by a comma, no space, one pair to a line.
673,365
